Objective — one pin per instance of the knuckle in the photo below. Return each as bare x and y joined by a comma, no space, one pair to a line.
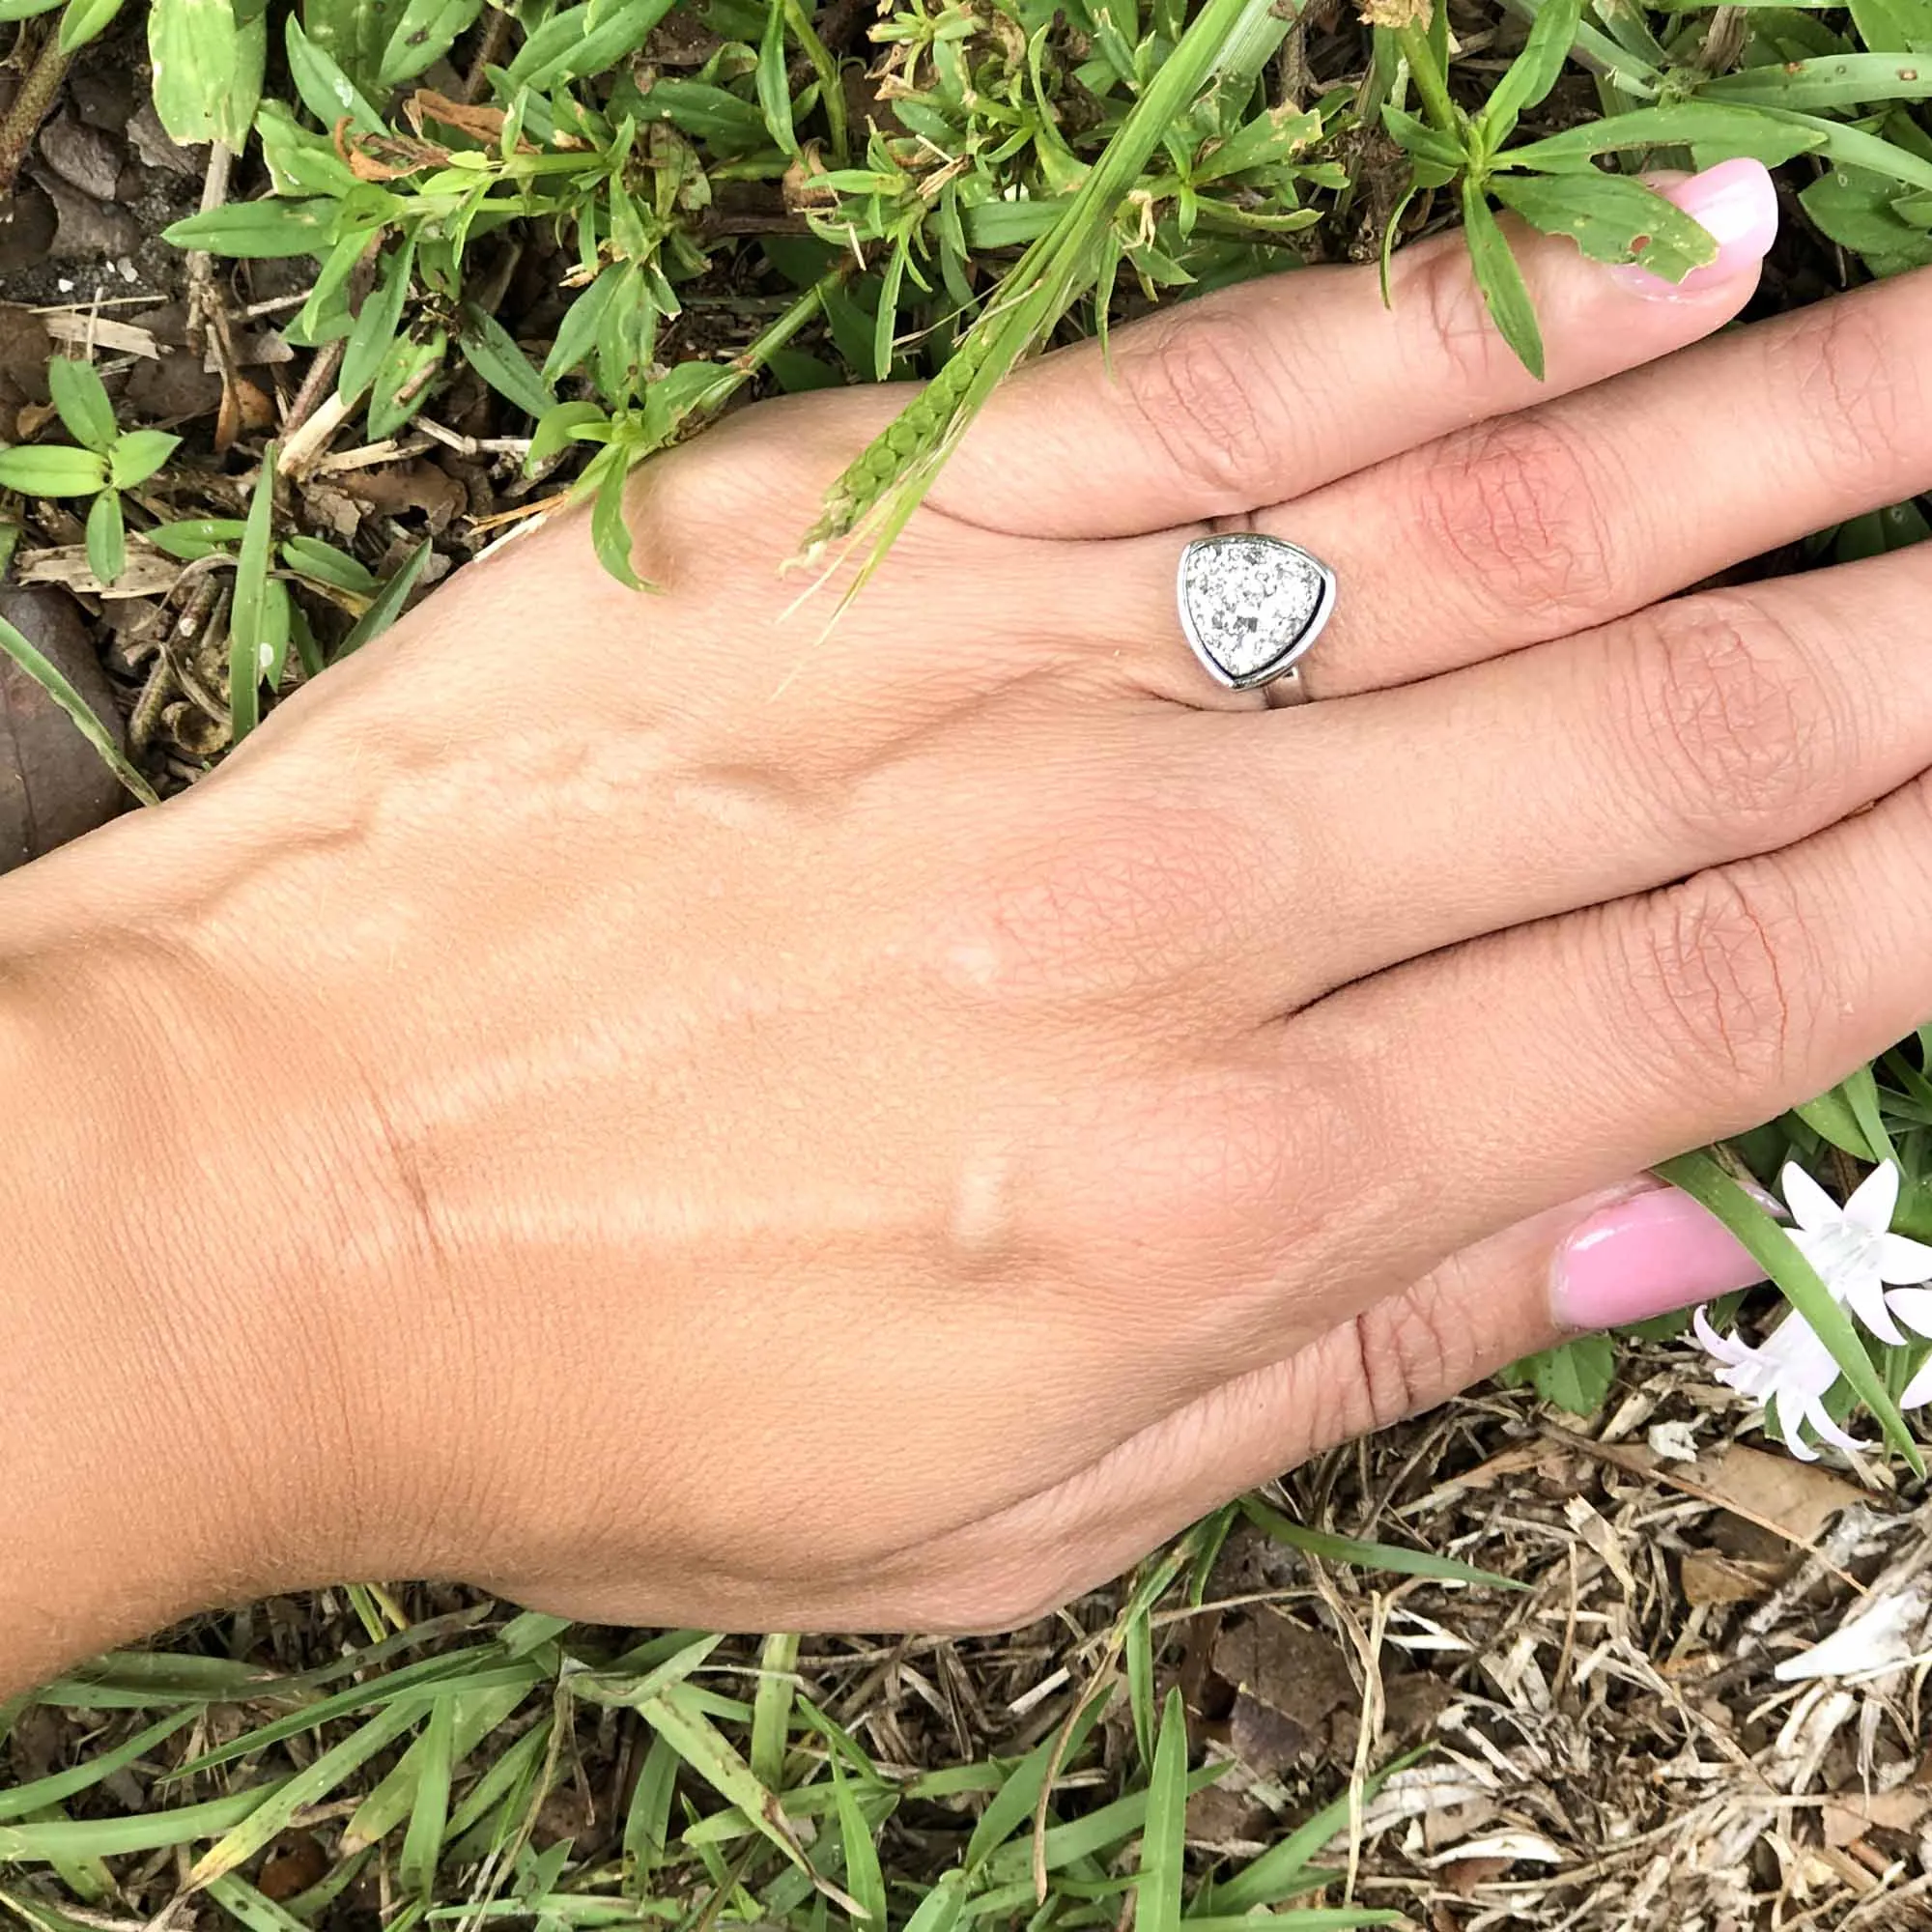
1458,329
1713,966
1198,387
1728,714
1849,384
1516,505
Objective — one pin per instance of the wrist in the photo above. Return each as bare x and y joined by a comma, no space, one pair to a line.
148,1465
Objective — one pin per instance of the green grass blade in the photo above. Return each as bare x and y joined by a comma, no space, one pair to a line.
863,1879
115,1838
673,1714
250,1907
1283,1870
309,1786
23,1800
771,1709
387,605
422,1843
1388,1556
48,676
1164,1840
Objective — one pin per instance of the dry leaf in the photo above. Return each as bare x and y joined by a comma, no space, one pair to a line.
1706,1577
1851,1814
54,786
1796,1498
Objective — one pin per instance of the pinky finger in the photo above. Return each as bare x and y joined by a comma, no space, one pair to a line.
1617,1255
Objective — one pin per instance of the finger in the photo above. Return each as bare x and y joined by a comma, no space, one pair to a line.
1621,1255
1259,392
1536,524
1535,1063
1702,730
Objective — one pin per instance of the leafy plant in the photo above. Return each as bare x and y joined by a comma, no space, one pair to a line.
107,461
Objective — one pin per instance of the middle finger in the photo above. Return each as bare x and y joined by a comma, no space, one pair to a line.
1712,728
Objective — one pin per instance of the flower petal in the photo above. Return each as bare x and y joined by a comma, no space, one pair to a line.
1789,1429
1913,1306
1811,1207
1900,1260
1876,1199
1865,1296
1918,1392
1823,1427
1726,1347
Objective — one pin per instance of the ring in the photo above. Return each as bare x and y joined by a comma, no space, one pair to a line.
1251,606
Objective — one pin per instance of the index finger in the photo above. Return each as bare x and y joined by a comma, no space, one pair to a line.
1259,392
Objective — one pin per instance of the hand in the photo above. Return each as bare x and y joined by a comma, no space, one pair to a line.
681,1120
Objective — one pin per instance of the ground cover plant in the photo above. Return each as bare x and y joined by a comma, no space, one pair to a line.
306,304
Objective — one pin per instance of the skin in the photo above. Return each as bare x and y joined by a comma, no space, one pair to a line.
679,1120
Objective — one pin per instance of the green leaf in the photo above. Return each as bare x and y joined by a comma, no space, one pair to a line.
1280,1872
21,1801
82,402
1500,279
648,1823
86,20
194,46
425,33
568,44
49,677
1704,1178
1612,219
315,1783
376,325
256,230
490,348
1728,129
326,91
863,1879
1858,209
674,1715
387,605
106,538
774,87
138,455
148,1830
771,1708
610,531
193,537
1017,1796
1423,143
247,631
576,332
422,1842
251,1909
1164,1837
1534,71
52,469
353,33
1389,1557
322,563
1575,1374
403,380
26,9
1844,81
474,1714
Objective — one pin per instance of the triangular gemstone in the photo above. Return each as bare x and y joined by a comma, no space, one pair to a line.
1251,604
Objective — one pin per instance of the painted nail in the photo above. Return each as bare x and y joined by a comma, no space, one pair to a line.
1737,205
1644,1256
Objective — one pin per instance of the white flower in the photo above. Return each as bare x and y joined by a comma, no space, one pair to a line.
1790,1372
1853,1251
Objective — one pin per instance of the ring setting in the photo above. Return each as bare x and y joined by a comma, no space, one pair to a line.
1251,606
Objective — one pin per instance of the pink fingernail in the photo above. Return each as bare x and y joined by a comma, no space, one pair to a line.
1646,1256
1736,203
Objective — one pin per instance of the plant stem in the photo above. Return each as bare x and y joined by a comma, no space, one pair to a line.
1428,76
30,107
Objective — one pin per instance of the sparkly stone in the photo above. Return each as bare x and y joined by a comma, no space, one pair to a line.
1247,601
